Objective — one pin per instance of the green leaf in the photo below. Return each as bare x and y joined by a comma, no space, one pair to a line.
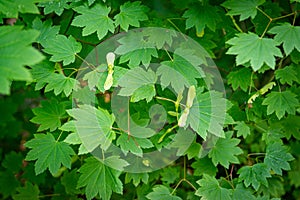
49,115
10,181
133,144
47,31
182,141
161,192
250,47
136,178
294,174
170,174
202,16
240,192
97,178
242,129
281,103
178,73
286,34
49,153
94,19
60,83
93,126
254,175
135,81
131,13
55,6
204,166
244,8
41,72
241,78
28,192
277,157
69,180
225,151
13,162
207,115
12,8
16,52
62,49
287,75
211,190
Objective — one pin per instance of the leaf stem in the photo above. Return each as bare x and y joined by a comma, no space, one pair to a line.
166,99
86,62
59,136
48,195
235,24
256,154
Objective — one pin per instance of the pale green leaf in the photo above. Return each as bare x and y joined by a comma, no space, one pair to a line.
60,83
136,178
47,31
16,52
161,192
133,144
242,129
94,19
182,141
287,75
98,179
131,13
250,47
48,153
287,34
281,103
12,8
55,6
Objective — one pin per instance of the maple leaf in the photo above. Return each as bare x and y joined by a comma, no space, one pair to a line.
49,115
93,126
244,8
69,181
10,181
285,34
250,47
225,151
47,31
178,73
211,189
254,175
204,166
241,78
13,162
28,192
207,115
242,129
41,72
240,192
12,8
55,6
60,83
281,103
62,49
287,75
294,174
131,13
170,174
135,82
136,178
182,141
202,16
15,53
94,19
277,157
161,192
49,153
97,178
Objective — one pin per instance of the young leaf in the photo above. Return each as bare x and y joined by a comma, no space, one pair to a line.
202,16
161,192
254,175
94,19
250,47
225,151
137,80
210,189
242,129
15,53
97,178
281,103
49,115
244,8
277,157
28,192
62,49
286,34
131,13
93,126
49,153
241,78
189,103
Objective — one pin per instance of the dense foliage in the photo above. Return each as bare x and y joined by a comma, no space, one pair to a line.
57,99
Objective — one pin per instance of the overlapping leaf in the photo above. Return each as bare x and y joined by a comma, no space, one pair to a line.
12,8
28,192
131,13
98,179
250,48
15,53
161,192
94,19
281,103
241,78
47,31
287,34
49,115
48,153
244,8
242,129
